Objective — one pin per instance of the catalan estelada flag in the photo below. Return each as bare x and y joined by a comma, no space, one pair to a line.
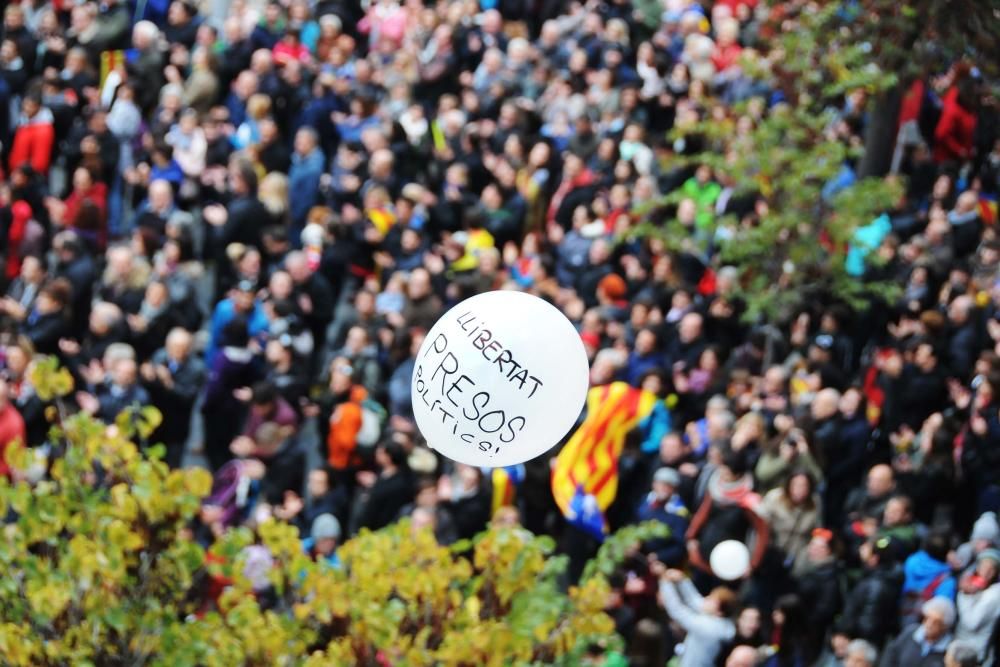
588,464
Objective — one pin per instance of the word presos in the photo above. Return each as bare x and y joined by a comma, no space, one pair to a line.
499,379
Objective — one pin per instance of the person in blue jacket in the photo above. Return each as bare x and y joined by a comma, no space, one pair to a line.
321,544
242,301
927,575
664,505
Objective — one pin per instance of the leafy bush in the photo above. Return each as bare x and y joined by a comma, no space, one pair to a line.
101,570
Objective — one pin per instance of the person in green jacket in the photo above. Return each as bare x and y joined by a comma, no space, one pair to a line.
704,191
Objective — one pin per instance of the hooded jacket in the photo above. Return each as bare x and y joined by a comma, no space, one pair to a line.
33,142
921,570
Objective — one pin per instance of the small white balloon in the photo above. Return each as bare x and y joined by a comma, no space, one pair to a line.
499,379
730,560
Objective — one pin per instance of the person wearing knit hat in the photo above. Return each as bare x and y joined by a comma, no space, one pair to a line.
663,504
978,603
985,534
323,538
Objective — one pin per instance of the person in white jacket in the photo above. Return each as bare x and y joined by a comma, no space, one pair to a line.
706,620
979,604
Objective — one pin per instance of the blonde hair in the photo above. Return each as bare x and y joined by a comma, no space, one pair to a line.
273,192
258,106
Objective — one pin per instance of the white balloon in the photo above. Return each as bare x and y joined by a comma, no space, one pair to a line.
499,379
730,560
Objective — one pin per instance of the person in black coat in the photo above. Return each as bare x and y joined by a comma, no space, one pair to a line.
119,392
468,500
915,390
313,295
77,267
871,611
173,379
47,322
923,645
388,491
243,219
232,367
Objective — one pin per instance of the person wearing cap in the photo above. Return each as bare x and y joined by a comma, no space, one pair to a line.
978,603
663,504
322,542
923,645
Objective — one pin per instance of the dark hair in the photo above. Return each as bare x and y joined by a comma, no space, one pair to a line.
59,290
736,461
396,454
936,545
235,333
810,503
264,393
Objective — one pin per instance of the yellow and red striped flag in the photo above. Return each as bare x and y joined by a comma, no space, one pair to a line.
589,460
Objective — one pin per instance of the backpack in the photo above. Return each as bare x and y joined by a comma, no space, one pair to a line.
914,600
373,417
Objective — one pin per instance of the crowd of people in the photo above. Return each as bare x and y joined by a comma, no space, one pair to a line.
249,214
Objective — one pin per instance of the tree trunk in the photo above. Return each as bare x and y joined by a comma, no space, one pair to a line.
880,133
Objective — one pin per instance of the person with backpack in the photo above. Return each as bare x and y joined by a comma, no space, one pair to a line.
926,575
347,419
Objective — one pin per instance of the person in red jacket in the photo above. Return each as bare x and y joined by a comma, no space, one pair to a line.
34,136
11,426
954,134
20,212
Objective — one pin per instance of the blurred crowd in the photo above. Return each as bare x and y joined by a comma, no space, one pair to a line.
249,214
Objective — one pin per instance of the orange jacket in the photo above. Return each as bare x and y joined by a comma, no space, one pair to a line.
345,423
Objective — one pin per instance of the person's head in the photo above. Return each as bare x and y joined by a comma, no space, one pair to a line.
743,656
690,327
422,519
988,565
961,654
936,545
860,654
104,317
749,623
297,266
506,517
665,482
341,376
19,355
826,404
420,284
799,488
124,372
32,270
54,296
898,511
960,310
325,533
265,398
820,547
178,344
242,176
318,483
720,602
144,35
925,356
881,481
390,456
938,618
